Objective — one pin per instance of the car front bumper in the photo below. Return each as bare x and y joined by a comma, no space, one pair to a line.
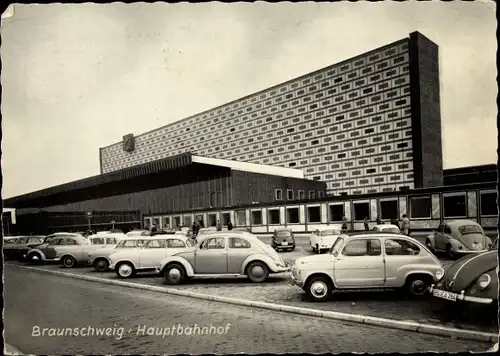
454,297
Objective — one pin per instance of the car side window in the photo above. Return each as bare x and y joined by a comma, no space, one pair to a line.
21,240
156,244
214,243
55,241
368,247
33,240
110,241
440,228
236,242
396,247
175,243
68,241
447,230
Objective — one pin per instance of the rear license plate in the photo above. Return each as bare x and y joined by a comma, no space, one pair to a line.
284,244
445,295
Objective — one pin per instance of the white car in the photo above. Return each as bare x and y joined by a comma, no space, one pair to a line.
126,263
107,239
99,259
323,239
387,228
138,233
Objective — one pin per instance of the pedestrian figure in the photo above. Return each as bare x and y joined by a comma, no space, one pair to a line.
344,224
367,227
405,225
379,220
229,226
395,222
219,226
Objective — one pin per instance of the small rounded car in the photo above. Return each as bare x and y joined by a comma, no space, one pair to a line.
15,251
128,262
46,251
99,259
388,228
224,254
368,261
458,237
323,239
283,240
472,280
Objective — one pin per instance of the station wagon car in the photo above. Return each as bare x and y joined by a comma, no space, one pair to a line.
324,238
127,262
224,254
473,279
17,249
458,237
387,228
45,252
368,261
99,259
283,239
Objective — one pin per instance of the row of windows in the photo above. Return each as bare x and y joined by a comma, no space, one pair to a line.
371,189
272,92
219,130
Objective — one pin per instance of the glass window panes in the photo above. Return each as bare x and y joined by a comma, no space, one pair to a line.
240,216
366,247
292,215
313,214
388,209
175,243
336,212
489,204
361,211
215,243
420,207
257,217
156,244
236,242
397,247
273,216
454,206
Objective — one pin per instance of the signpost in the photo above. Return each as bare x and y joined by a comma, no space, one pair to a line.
113,223
89,217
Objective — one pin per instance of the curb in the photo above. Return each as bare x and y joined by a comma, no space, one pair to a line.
356,318
10,350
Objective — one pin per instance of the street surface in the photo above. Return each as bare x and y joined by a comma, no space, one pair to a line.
34,301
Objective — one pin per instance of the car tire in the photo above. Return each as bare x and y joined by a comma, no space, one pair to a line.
174,274
125,270
34,257
101,265
69,261
293,248
429,245
449,252
257,272
319,288
416,286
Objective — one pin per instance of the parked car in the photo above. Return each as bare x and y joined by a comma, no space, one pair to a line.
323,239
283,239
107,240
243,229
458,237
99,259
368,261
206,230
472,280
46,252
224,253
9,240
138,233
15,251
127,262
387,228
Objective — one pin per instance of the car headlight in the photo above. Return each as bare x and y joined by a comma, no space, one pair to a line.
439,274
483,281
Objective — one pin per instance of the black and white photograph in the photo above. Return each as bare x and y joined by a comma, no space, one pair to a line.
249,177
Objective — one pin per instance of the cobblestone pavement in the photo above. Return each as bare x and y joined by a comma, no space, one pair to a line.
35,299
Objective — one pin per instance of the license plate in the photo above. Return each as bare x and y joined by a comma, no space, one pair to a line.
284,244
445,295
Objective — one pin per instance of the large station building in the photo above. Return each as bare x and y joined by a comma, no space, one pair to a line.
368,124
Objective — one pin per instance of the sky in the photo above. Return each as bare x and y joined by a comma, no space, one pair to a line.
79,77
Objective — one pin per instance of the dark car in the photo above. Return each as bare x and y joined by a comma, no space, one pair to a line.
283,240
16,250
470,281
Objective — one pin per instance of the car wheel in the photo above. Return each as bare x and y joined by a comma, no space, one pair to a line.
101,265
319,288
416,286
293,248
257,271
35,257
125,270
429,245
174,274
449,252
69,261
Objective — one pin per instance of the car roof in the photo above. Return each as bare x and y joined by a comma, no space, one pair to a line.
329,227
457,223
72,234
381,226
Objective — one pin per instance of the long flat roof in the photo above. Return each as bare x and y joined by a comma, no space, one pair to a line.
181,161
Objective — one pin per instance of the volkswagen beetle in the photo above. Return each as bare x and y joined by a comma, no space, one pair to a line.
224,254
458,237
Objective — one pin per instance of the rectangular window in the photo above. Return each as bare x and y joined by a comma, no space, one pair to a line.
361,211
292,215
420,207
240,217
300,195
313,214
273,217
289,194
389,209
489,204
321,194
454,206
312,194
257,217
336,212
278,194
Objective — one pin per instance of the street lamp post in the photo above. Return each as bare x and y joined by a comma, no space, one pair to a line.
89,217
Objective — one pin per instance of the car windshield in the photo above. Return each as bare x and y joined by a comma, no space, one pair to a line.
336,246
394,230
283,233
329,232
470,229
